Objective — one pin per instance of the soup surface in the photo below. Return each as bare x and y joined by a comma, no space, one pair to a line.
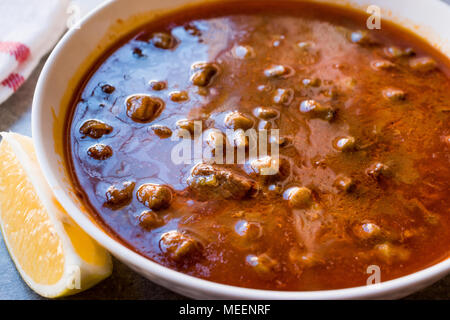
167,133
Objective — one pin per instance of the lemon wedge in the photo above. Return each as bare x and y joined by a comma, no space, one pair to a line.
53,255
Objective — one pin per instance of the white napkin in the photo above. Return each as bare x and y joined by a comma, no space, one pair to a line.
28,30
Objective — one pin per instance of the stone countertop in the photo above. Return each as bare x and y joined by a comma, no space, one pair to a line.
124,283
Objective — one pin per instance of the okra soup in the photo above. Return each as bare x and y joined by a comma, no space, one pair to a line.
276,145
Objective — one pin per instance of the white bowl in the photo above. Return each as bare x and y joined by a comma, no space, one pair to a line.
79,48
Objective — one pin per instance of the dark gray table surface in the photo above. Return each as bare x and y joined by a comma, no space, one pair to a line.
124,283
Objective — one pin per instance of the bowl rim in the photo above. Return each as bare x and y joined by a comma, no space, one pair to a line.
125,254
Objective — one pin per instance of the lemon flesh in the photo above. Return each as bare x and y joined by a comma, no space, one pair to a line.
54,256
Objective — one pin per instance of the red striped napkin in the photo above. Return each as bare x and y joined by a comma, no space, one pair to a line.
28,30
